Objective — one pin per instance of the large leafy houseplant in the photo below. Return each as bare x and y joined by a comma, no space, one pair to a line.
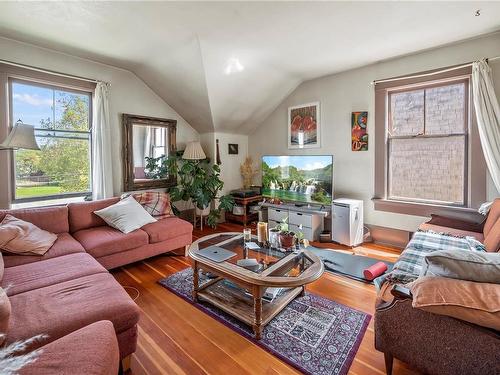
197,181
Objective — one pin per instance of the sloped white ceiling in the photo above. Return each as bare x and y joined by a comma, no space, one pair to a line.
181,49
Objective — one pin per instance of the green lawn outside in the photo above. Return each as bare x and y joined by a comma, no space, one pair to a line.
36,191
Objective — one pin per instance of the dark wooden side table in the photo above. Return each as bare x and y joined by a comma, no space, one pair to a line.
247,217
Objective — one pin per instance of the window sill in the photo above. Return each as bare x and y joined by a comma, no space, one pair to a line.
47,203
416,209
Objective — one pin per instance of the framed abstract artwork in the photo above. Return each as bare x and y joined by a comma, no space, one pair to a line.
304,126
232,149
359,136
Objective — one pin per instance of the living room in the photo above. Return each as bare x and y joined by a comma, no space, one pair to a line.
181,196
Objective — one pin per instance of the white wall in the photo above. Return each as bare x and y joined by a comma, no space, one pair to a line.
339,95
230,166
129,94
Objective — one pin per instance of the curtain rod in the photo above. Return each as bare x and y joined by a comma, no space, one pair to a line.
48,71
429,74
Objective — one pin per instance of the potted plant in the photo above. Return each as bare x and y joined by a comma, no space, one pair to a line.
198,182
287,237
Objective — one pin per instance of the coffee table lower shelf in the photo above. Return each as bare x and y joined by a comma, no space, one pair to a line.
250,309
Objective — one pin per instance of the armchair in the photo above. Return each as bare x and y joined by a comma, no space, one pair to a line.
431,343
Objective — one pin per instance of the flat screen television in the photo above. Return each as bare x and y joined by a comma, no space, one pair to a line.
304,178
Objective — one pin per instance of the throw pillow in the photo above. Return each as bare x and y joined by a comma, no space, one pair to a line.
4,315
466,300
156,203
23,238
127,215
469,265
492,240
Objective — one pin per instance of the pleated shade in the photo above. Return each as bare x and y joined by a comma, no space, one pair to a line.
21,136
194,151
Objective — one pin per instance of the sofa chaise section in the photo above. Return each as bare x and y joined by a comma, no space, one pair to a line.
31,276
62,308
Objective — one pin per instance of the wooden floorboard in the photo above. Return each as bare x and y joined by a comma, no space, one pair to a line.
177,338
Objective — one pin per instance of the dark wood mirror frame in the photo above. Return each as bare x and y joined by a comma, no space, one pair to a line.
129,182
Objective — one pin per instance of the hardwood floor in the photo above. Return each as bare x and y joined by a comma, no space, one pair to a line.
177,338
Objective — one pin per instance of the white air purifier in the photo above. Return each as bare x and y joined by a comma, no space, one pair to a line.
347,221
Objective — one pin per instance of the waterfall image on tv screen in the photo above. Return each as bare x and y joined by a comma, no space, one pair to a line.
307,178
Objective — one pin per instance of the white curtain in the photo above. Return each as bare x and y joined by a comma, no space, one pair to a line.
102,169
488,117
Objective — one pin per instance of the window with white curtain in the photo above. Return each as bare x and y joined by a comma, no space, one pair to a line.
62,121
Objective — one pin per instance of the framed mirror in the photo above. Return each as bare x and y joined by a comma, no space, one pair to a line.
147,144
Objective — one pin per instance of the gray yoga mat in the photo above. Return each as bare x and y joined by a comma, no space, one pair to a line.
348,265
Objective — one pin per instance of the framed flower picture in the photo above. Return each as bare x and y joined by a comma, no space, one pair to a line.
359,136
304,126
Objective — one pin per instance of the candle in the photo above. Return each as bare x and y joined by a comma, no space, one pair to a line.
247,234
261,232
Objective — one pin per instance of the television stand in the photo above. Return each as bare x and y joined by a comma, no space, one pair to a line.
309,218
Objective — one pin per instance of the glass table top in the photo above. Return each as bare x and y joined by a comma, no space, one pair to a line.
296,263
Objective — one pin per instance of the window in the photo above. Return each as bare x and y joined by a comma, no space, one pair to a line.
62,121
428,155
427,143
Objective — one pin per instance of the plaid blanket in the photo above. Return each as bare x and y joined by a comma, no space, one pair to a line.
408,266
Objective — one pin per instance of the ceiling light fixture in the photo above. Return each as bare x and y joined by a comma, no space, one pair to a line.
233,65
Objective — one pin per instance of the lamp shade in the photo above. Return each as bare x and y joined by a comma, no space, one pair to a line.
194,151
21,136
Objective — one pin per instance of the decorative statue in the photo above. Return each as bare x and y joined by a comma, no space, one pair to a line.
247,172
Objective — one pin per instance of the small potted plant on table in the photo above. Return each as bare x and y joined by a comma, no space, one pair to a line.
287,237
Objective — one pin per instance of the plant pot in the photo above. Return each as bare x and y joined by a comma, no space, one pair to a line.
203,212
287,240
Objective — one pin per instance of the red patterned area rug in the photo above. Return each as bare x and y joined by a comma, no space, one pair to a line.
313,334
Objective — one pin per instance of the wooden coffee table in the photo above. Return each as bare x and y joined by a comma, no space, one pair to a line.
239,291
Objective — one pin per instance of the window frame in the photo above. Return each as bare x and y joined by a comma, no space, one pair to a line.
464,134
474,168
11,122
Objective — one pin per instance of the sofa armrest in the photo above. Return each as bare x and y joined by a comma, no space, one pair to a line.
472,222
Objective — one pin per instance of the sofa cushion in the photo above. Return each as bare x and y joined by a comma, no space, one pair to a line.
5,310
492,240
65,244
478,266
466,300
37,275
165,229
51,219
105,240
82,216
468,221
126,216
454,232
60,309
21,237
93,351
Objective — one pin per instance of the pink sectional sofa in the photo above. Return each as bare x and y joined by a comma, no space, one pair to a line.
69,287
